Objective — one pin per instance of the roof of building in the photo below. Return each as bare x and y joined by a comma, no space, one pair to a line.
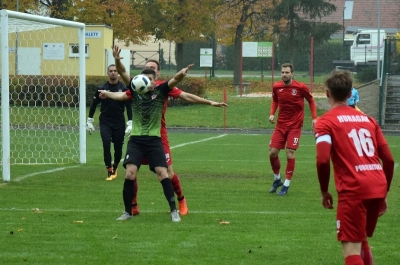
363,14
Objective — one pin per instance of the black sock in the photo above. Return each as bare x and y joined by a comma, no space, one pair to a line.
128,194
115,166
169,193
181,198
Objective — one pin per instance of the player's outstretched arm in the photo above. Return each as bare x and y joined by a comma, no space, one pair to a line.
179,76
119,65
191,98
120,96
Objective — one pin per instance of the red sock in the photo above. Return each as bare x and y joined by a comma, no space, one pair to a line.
176,184
366,254
290,168
354,260
135,189
275,164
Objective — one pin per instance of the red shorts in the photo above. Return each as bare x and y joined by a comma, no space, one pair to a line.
167,152
355,220
285,138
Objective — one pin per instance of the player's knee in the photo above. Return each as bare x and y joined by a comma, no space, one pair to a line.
290,153
130,172
273,152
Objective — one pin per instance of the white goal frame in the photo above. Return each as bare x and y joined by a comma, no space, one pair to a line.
9,19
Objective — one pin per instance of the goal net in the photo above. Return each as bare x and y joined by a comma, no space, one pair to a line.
42,91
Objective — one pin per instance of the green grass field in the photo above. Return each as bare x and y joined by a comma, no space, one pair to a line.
65,214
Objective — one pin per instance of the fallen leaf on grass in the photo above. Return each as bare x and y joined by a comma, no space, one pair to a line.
37,210
78,222
20,230
115,236
222,222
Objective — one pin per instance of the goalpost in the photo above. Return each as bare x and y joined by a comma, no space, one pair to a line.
43,91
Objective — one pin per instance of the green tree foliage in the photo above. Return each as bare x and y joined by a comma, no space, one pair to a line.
123,16
244,20
179,21
296,21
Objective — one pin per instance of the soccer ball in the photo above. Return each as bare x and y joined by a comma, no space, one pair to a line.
140,84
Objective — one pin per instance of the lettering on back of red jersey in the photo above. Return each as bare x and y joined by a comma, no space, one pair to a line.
352,118
367,167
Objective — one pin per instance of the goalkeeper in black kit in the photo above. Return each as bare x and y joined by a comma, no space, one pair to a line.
112,121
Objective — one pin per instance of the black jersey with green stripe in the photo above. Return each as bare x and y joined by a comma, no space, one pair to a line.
147,110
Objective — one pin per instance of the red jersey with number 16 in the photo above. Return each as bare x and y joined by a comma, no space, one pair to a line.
290,101
355,140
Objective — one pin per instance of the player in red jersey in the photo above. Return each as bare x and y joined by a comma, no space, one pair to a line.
175,93
288,95
363,168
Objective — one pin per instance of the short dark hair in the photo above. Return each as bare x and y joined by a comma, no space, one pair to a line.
287,65
156,62
339,83
149,71
108,68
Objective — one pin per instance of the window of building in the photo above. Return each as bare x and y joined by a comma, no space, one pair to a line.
348,9
74,50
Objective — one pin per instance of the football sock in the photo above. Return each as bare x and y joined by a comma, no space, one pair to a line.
181,198
275,164
115,166
128,194
277,176
354,260
176,184
366,254
290,168
286,183
135,189
169,193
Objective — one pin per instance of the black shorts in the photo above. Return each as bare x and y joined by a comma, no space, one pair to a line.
149,147
114,134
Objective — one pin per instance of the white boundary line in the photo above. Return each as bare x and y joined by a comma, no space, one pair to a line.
199,141
42,172
173,147
62,168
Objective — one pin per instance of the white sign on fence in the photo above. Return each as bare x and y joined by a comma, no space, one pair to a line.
206,57
257,49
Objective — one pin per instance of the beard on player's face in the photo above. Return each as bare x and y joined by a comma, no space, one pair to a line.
286,80
113,78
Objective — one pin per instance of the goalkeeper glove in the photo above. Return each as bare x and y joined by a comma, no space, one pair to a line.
89,125
128,128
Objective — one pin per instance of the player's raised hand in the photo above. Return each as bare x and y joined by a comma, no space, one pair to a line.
116,52
185,70
271,118
327,200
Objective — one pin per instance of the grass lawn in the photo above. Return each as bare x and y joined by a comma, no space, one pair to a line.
65,214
